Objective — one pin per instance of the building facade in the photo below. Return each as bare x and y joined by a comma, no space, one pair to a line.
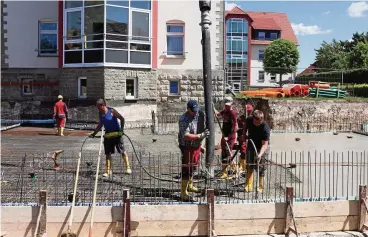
247,36
127,52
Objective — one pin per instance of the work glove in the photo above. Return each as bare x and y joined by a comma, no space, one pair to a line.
204,135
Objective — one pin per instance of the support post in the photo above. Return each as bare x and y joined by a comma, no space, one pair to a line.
43,220
362,207
289,213
126,214
211,213
205,7
153,126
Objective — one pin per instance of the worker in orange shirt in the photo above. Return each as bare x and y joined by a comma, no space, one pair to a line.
60,114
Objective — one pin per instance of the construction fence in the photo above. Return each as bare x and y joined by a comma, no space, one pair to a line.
156,179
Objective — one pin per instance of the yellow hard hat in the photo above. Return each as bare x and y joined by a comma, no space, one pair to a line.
60,97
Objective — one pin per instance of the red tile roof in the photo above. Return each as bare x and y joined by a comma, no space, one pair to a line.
279,21
266,23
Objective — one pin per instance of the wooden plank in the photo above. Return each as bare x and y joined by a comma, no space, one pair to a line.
126,214
335,208
169,212
43,220
362,207
81,214
249,227
289,212
169,228
335,223
249,211
211,214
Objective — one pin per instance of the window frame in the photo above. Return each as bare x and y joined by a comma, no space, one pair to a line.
27,80
80,96
104,49
273,33
48,32
174,94
271,76
261,52
259,78
168,34
259,35
236,83
135,96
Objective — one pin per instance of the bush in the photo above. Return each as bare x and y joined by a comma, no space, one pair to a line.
358,76
359,90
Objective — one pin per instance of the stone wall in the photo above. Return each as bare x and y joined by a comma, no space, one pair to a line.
4,48
190,85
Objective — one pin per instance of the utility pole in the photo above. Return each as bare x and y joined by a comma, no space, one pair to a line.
205,7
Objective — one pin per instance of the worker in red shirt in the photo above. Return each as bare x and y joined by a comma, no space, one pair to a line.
243,143
229,129
60,114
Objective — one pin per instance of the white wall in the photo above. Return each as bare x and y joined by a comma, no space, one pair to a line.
257,66
22,37
187,11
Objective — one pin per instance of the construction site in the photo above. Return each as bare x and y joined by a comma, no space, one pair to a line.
314,182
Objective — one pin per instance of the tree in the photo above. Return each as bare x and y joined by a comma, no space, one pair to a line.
358,57
281,57
331,56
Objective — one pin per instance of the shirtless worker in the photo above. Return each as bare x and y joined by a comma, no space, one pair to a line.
243,143
113,138
229,129
60,114
190,139
259,133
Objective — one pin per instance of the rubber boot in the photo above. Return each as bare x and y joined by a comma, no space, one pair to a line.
260,187
242,164
58,132
61,131
191,187
126,161
249,181
108,168
224,173
184,190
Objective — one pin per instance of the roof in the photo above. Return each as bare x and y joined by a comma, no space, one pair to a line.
310,69
268,21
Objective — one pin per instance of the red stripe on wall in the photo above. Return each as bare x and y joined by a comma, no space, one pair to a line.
60,33
154,32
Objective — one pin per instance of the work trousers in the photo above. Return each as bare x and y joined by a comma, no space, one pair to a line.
251,158
190,158
225,154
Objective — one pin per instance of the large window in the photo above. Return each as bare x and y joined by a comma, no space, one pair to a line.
107,33
175,39
47,45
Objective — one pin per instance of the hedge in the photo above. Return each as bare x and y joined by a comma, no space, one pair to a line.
358,76
359,90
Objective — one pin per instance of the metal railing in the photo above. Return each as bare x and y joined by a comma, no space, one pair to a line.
10,120
156,178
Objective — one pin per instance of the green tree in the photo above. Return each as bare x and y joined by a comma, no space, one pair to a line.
358,57
331,56
281,57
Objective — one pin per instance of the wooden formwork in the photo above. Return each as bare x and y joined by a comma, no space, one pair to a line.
193,220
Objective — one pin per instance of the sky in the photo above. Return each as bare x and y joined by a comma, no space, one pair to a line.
315,21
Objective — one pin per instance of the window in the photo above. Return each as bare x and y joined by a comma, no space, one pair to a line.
260,55
236,86
175,39
47,45
131,89
273,78
174,88
261,35
261,76
27,87
273,36
82,87
107,33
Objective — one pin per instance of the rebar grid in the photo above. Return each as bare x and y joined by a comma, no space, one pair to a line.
313,175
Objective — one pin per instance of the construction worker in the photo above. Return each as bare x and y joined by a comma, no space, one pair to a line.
114,131
259,133
190,140
229,132
60,114
243,143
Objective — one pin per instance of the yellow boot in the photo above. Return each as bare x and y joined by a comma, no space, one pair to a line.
108,168
58,132
242,164
249,181
191,187
260,187
184,190
61,131
126,161
224,173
